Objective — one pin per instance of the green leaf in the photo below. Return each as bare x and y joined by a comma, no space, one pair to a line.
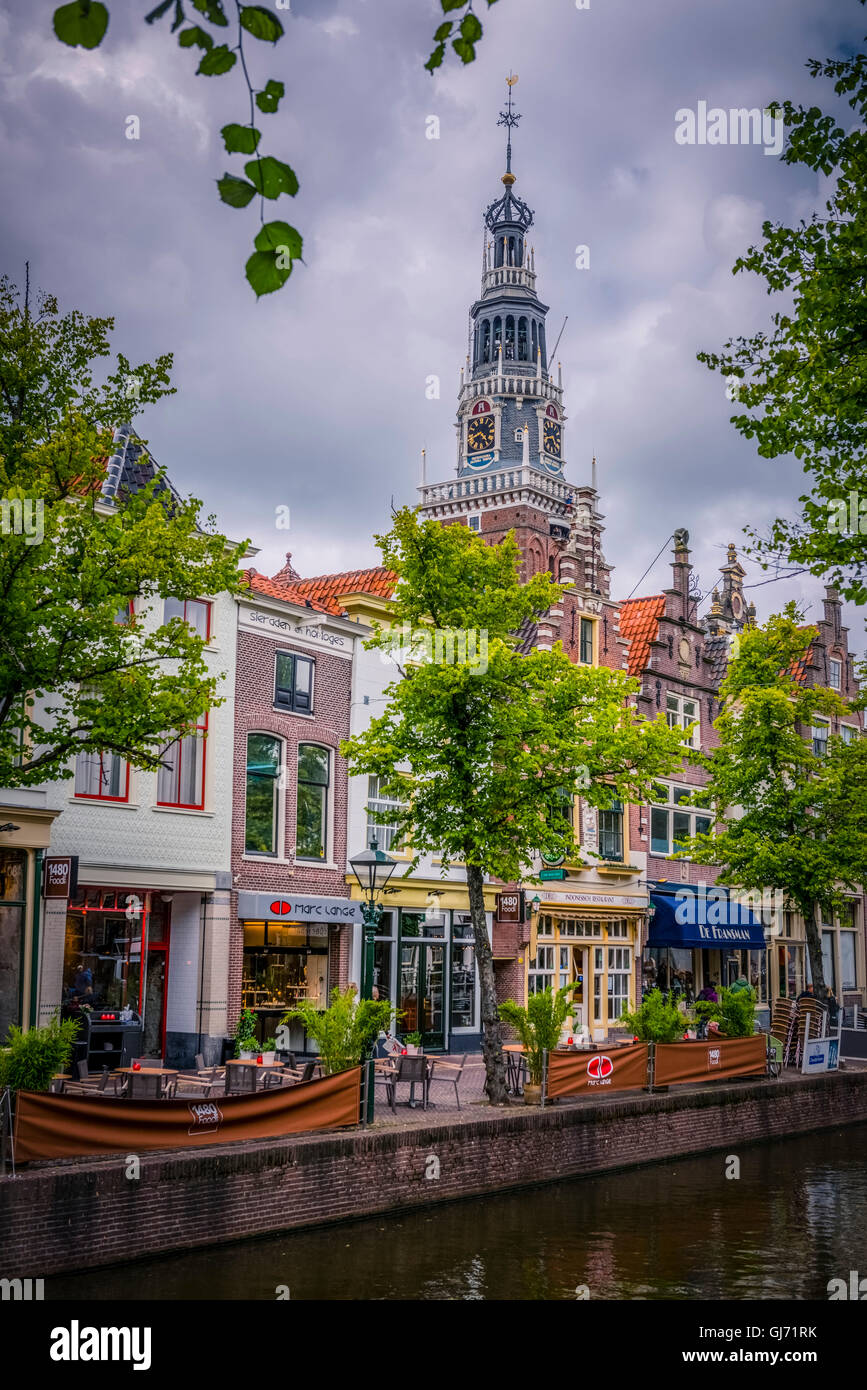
213,10
436,58
271,177
452,5
234,191
471,29
261,23
280,238
218,61
444,30
240,139
264,274
269,99
158,12
82,24
464,50
200,37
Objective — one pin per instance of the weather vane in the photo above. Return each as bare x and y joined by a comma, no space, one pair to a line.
509,119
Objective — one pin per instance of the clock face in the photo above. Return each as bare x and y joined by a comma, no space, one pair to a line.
553,436
481,432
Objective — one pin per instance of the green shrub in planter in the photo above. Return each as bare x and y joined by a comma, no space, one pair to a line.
31,1060
737,1012
538,1026
245,1029
655,1020
346,1031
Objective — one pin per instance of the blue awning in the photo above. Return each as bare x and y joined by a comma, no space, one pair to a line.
708,919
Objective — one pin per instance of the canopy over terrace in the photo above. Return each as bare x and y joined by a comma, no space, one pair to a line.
705,936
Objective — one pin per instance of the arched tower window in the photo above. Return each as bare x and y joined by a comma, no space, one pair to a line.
498,336
485,354
512,251
534,343
523,348
509,352
542,344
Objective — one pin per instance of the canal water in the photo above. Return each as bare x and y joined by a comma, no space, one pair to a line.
794,1219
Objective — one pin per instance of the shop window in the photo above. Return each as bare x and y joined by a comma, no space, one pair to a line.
463,982
384,833
619,974
102,777
681,713
611,833
181,779
264,758
196,613
848,961
617,929
293,683
103,953
314,770
597,984
586,647
283,965
541,971
820,738
673,821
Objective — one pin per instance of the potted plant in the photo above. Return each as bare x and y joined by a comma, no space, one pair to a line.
246,1042
269,1050
346,1031
31,1060
412,1043
655,1020
735,1013
538,1028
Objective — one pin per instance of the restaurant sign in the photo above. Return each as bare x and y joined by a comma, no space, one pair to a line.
288,907
60,876
597,900
510,907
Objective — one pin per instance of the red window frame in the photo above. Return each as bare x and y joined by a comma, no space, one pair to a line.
201,728
101,796
206,602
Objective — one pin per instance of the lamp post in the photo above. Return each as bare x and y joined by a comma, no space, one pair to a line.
373,869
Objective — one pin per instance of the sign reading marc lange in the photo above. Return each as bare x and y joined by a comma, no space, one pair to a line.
287,907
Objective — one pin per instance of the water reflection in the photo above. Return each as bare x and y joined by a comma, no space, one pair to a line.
795,1218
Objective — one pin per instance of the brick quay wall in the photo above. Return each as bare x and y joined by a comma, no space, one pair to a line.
83,1213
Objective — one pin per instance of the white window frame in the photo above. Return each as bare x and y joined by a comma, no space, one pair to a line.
474,522
670,807
677,718
835,668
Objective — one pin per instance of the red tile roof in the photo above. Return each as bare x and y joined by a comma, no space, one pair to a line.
639,622
326,590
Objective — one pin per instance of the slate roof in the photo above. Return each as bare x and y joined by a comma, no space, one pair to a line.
716,649
639,623
139,469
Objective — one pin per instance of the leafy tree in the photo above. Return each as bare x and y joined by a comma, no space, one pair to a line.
77,674
277,245
803,383
478,751
789,818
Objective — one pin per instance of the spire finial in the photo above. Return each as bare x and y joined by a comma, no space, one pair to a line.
509,118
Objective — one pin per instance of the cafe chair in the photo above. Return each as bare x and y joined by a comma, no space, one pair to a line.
448,1072
91,1085
200,1084
414,1071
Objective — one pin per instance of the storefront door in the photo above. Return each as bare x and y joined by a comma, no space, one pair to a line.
422,976
156,974
579,997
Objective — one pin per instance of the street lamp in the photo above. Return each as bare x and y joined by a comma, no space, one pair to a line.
373,869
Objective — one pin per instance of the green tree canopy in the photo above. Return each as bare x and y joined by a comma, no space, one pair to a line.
789,817
479,752
802,385
76,674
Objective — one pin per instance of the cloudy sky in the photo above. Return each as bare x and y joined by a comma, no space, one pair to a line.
314,398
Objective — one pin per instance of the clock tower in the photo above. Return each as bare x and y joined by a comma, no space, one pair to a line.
511,427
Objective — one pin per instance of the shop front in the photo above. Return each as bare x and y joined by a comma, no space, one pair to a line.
702,938
295,949
588,940
116,957
25,833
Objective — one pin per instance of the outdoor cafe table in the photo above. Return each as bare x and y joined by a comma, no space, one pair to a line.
247,1082
145,1082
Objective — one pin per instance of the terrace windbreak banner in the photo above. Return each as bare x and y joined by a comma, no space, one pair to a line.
710,1060
58,1126
577,1073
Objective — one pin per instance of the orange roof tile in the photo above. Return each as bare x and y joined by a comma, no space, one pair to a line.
325,591
639,623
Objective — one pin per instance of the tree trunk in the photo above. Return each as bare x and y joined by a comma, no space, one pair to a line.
492,1043
814,948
